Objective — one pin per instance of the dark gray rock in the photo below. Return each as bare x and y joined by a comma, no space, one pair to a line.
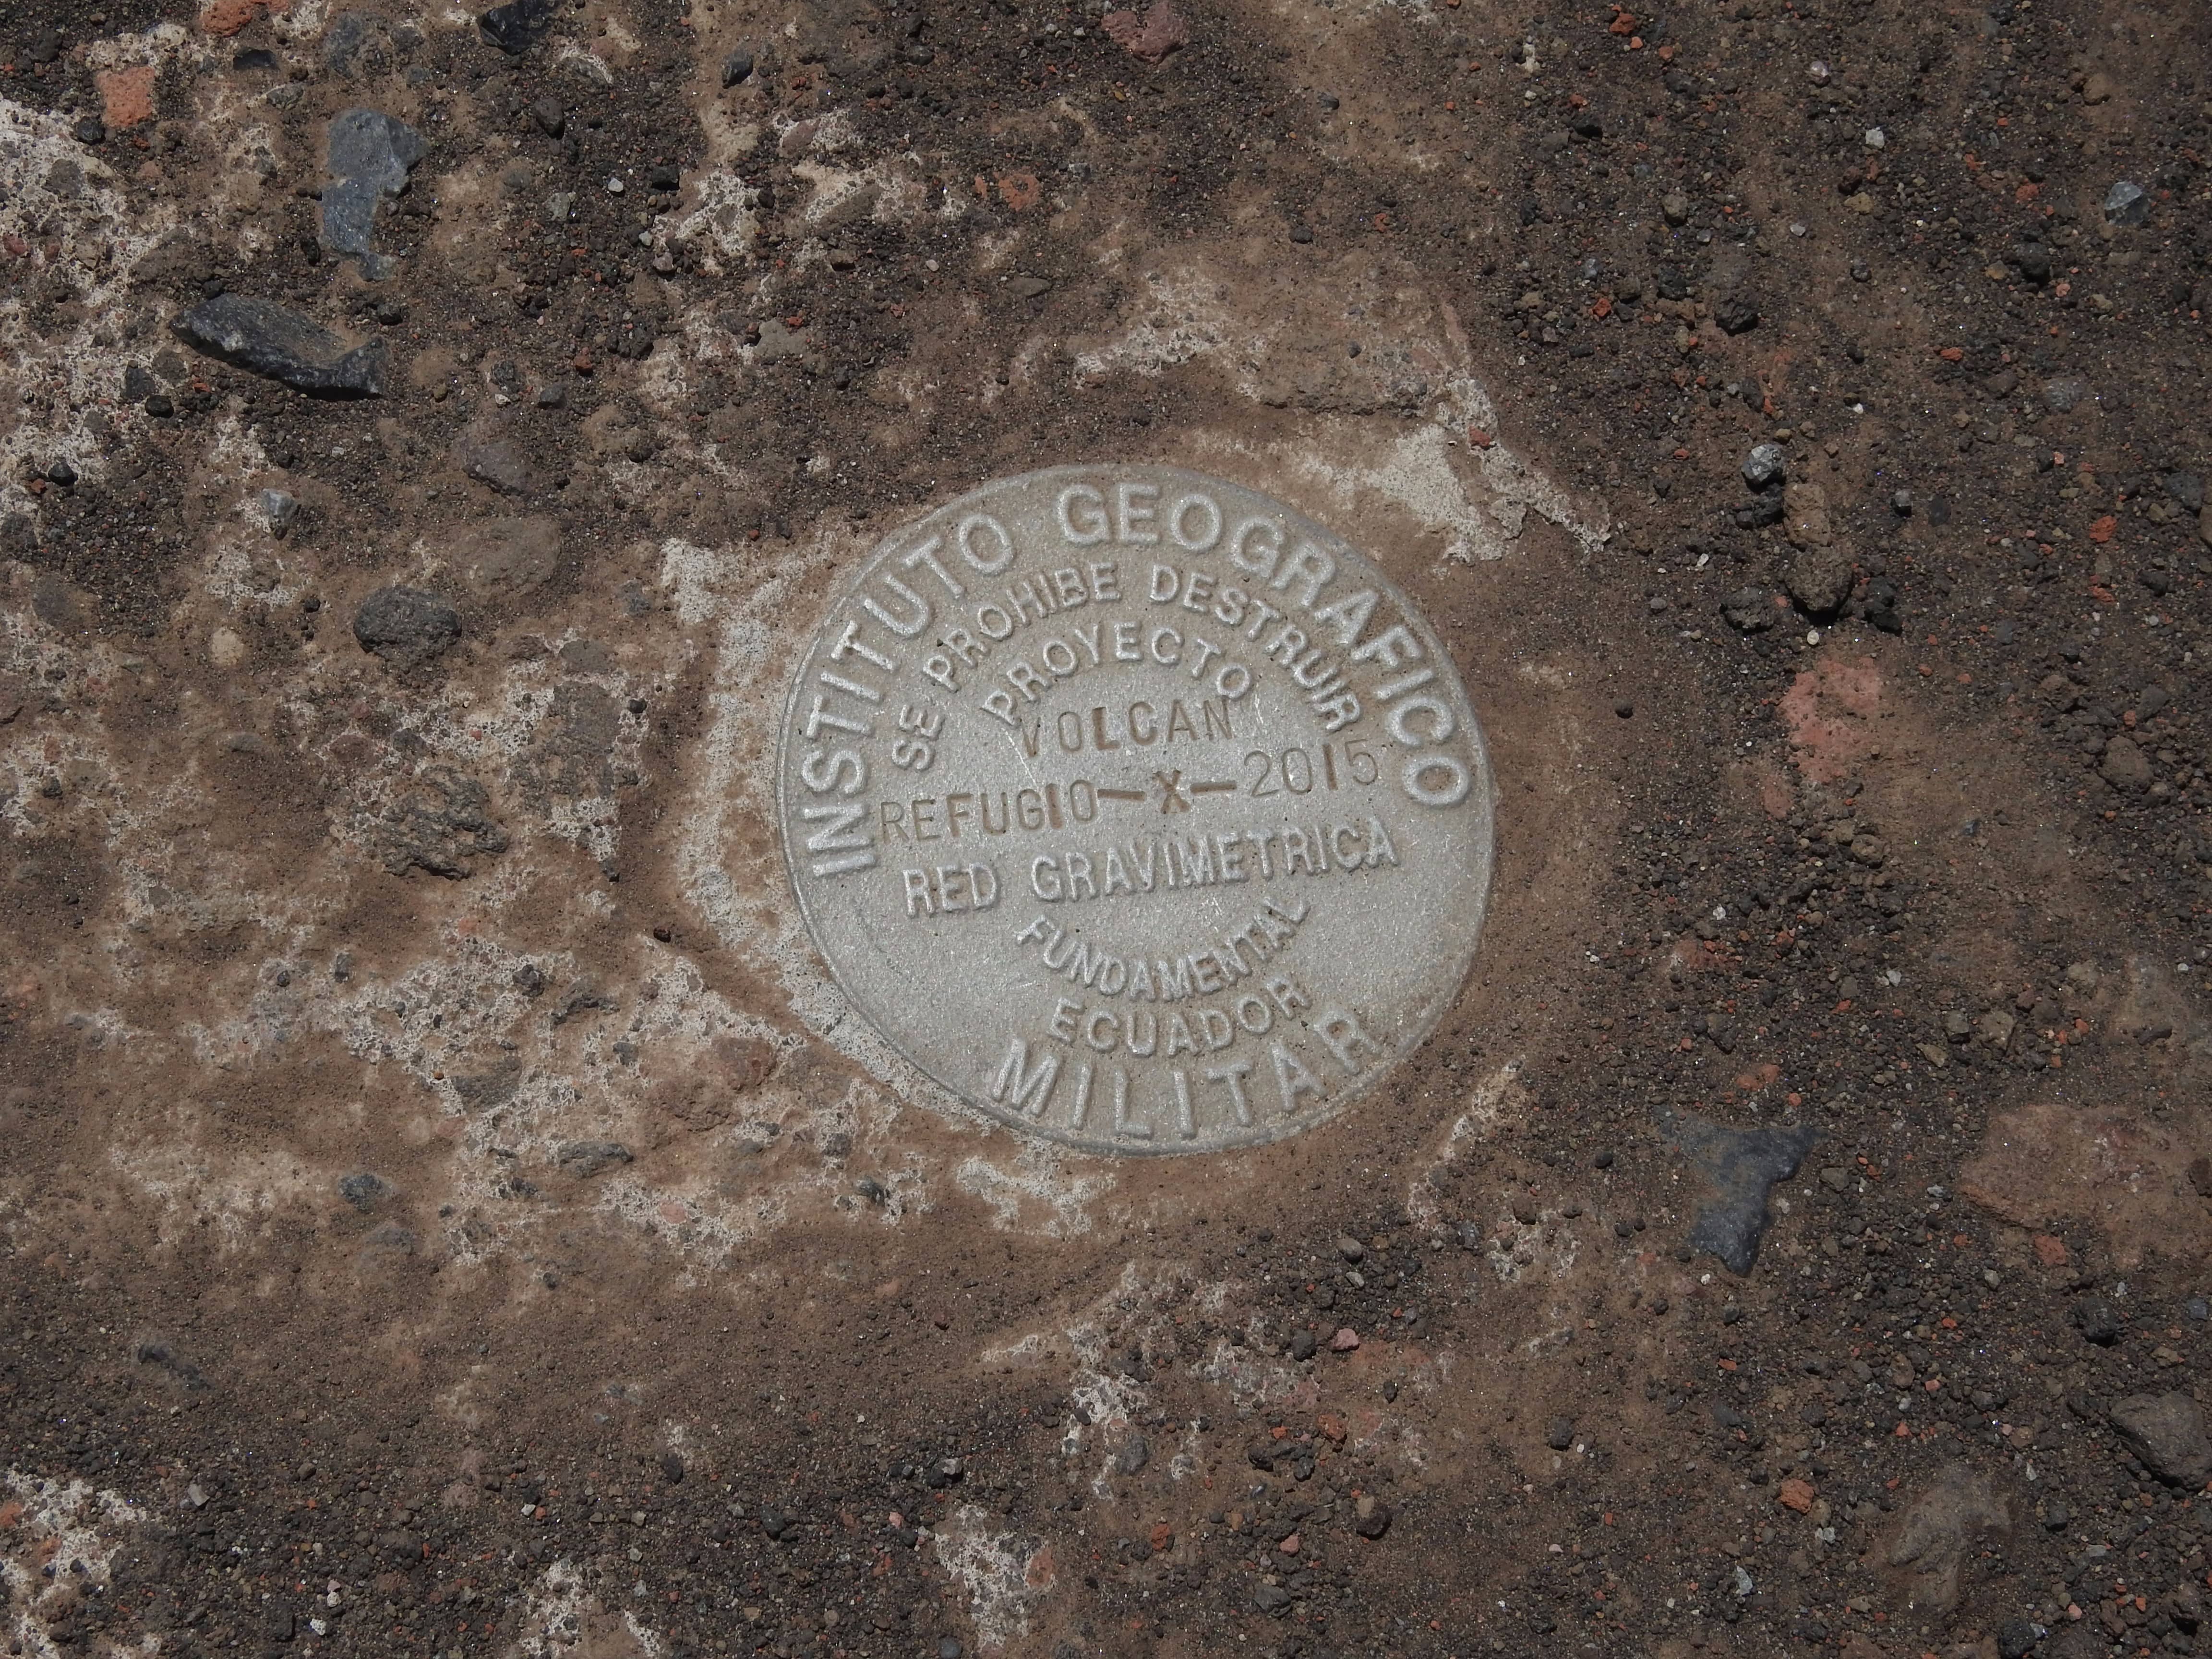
406,626
362,1189
345,36
439,820
266,338
1736,315
279,508
2165,1431
515,27
2127,203
2062,393
1748,611
1881,605
1765,466
585,1159
737,67
370,156
1134,1456
484,1092
2093,1317
2188,488
552,120
1743,1165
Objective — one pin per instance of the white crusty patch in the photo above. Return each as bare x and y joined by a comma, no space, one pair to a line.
1001,1573
64,1537
1487,1106
88,239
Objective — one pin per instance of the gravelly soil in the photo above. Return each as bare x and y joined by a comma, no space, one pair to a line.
433,1224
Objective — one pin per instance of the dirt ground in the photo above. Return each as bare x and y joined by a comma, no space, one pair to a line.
440,1217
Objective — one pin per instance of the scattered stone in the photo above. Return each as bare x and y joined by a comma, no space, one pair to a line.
1302,1345
501,558
1149,37
2187,488
1736,315
126,96
488,454
1940,1531
1676,207
279,508
585,1159
370,156
406,626
737,68
1743,1165
2127,203
89,129
1351,1248
1765,466
2126,765
2093,1317
1132,1457
779,340
362,1189
2016,1638
437,822
2062,393
552,120
1819,578
1805,510
1030,288
273,340
515,27
1344,1340
1371,1515
671,1468
1879,606
2165,1431
1560,1434
1748,611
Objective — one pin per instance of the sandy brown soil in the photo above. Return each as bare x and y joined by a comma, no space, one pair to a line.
438,1216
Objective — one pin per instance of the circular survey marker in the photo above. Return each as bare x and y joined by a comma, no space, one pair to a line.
1136,809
